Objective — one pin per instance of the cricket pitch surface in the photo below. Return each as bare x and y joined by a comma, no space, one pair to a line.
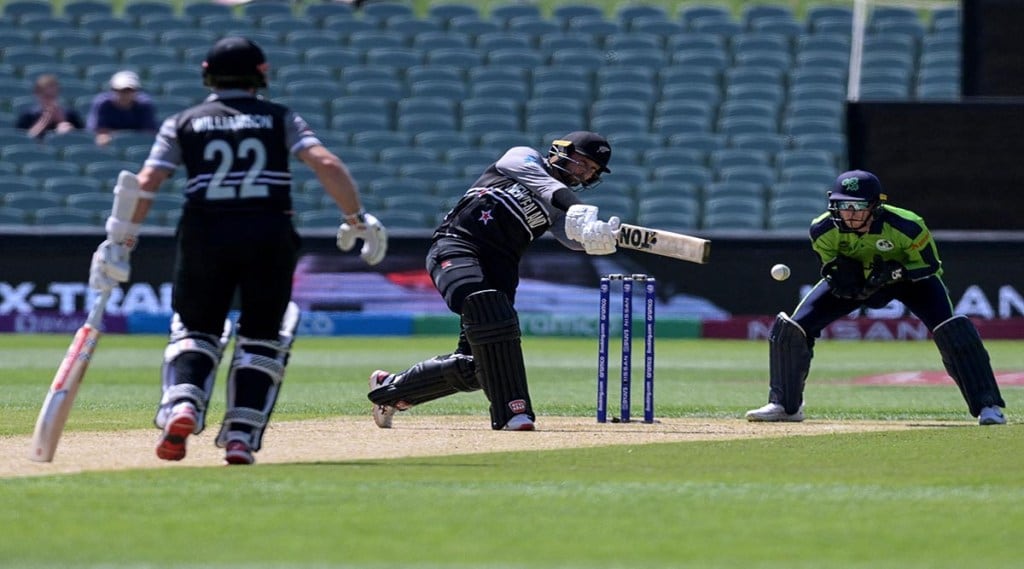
350,438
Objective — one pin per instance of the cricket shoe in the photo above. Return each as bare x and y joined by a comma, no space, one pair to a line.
382,414
775,413
180,425
238,452
991,416
520,422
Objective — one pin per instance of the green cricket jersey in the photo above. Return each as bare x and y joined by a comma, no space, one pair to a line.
896,234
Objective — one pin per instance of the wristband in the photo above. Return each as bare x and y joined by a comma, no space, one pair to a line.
358,217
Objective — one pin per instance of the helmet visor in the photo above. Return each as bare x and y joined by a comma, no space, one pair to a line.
851,205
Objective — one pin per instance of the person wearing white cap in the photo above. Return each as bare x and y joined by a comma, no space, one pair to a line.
123,107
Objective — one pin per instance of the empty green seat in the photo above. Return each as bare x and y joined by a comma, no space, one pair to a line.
16,9
810,192
804,157
680,220
612,203
735,191
139,9
61,216
734,212
32,200
53,167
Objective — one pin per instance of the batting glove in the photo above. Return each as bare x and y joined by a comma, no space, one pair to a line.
576,219
600,237
110,265
582,225
371,231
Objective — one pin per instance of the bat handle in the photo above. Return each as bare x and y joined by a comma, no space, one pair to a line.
95,317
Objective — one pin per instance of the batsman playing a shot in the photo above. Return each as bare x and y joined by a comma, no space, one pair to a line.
235,235
474,263
873,253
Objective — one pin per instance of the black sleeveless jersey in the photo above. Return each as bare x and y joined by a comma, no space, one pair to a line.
235,154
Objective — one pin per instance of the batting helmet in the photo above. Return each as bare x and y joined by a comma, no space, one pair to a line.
854,190
235,62
587,144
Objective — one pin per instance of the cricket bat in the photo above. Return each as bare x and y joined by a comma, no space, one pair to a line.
70,374
664,243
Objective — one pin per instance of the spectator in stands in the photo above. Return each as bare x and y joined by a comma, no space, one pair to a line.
123,107
48,114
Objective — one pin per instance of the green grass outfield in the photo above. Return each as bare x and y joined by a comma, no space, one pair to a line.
929,497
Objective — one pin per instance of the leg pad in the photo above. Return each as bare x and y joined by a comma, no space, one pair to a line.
254,383
491,326
189,369
429,380
789,363
967,362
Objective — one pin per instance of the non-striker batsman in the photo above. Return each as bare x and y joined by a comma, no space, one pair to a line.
235,236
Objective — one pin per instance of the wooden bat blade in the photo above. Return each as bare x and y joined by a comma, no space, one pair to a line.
61,396
664,243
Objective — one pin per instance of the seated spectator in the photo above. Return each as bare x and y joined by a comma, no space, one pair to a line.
123,107
48,114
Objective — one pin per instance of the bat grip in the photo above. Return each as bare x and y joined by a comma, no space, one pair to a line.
95,317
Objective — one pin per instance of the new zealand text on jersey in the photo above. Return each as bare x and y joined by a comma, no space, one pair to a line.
236,122
535,215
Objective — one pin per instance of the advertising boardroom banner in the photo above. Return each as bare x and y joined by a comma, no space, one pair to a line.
43,283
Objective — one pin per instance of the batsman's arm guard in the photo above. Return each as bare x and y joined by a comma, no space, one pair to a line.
119,226
111,263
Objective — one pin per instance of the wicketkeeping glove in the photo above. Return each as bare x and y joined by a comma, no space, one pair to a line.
885,273
845,277
371,231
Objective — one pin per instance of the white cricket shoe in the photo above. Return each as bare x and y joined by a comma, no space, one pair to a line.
775,413
991,416
520,422
382,414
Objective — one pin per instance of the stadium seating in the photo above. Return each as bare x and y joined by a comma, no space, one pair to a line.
676,93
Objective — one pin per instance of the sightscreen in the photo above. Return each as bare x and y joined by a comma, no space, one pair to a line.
960,165
993,48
